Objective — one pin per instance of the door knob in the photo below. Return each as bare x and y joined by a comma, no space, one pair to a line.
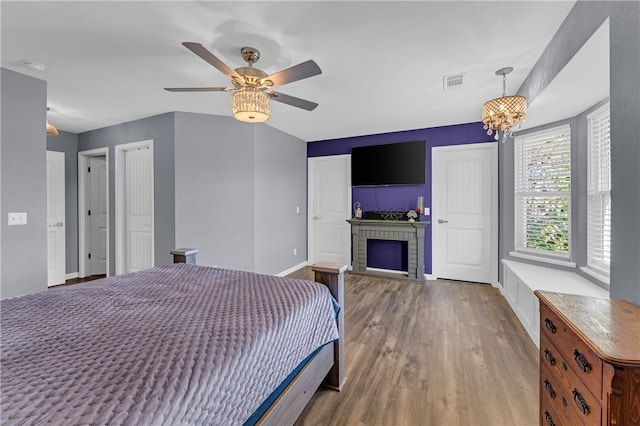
442,221
315,217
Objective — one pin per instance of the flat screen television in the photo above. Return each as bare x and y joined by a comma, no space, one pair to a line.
389,164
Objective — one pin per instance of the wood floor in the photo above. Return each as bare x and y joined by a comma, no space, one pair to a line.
80,280
440,353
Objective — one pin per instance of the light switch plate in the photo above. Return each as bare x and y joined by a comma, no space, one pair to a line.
17,218
427,211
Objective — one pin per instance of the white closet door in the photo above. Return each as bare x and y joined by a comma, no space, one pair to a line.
329,208
138,199
56,256
464,214
98,218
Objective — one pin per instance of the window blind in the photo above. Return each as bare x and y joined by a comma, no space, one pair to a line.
599,191
542,171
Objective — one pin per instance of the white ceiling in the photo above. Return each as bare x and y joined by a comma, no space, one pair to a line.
382,62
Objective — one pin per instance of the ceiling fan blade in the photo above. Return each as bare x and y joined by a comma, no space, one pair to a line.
297,72
209,57
198,89
293,101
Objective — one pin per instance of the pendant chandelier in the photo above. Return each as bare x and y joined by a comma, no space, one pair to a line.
504,113
251,105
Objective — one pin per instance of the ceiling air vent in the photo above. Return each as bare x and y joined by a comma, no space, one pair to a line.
453,81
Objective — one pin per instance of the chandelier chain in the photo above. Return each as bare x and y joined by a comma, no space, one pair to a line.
504,85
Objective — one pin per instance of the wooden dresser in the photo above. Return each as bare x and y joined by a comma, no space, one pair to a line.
589,361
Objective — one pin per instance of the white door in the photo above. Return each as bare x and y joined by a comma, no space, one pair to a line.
329,208
464,212
98,215
55,219
134,170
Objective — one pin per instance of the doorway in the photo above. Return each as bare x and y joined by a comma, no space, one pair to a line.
134,206
465,212
329,208
93,212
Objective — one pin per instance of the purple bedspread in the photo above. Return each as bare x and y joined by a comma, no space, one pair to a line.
172,345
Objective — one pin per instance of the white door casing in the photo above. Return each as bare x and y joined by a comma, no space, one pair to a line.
84,205
56,256
465,212
98,216
134,204
329,208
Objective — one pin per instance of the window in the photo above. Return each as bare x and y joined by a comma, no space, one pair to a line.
542,172
599,193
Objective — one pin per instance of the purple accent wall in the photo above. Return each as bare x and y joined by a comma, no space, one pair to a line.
385,254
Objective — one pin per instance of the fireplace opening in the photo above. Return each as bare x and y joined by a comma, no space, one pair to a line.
387,254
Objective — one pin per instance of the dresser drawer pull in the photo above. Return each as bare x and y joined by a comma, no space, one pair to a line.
549,418
581,360
580,402
547,385
549,356
550,325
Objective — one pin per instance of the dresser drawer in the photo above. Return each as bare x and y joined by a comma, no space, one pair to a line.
578,356
549,415
564,389
554,405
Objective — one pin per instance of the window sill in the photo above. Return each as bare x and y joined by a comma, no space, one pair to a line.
595,274
559,262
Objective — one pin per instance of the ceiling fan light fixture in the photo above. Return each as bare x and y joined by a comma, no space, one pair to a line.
51,130
505,112
251,105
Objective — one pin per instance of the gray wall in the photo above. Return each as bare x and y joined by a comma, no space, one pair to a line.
68,143
160,128
625,150
214,166
237,187
584,19
280,187
23,184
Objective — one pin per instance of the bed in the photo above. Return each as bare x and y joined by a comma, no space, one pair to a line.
171,345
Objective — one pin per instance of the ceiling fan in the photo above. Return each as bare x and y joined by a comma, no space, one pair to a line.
252,87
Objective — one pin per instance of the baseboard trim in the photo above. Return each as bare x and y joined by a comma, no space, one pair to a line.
71,276
292,269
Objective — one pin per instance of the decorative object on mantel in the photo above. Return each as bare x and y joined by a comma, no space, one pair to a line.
412,215
357,210
385,215
420,207
502,114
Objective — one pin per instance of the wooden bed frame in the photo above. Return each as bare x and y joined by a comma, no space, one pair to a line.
325,368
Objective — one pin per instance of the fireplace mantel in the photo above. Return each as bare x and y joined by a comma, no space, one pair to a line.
395,230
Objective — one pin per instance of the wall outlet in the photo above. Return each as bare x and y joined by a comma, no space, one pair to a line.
17,218
298,209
